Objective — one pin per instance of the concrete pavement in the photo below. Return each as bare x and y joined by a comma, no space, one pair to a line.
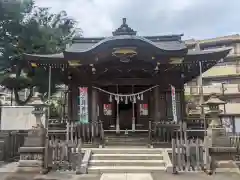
121,176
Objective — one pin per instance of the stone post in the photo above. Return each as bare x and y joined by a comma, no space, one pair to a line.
33,151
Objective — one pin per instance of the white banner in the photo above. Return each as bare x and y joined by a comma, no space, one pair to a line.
83,104
174,104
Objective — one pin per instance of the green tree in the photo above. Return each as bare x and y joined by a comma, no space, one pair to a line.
25,28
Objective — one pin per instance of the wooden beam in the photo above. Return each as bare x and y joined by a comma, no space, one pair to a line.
163,81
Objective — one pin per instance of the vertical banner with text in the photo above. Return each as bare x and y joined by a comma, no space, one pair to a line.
174,104
83,104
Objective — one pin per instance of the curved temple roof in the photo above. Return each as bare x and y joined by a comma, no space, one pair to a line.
149,48
170,45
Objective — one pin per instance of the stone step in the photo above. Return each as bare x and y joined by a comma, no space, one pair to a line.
132,150
126,137
127,163
139,144
125,140
127,157
124,169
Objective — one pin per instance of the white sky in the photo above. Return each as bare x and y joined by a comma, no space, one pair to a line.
194,18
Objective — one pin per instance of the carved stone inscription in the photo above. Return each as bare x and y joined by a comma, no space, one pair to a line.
31,156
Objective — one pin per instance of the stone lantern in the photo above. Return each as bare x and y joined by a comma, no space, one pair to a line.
33,151
215,132
219,151
38,111
213,103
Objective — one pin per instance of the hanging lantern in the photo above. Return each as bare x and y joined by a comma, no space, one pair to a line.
142,97
116,98
110,98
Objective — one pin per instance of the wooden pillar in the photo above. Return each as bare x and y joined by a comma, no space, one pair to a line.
94,105
151,105
133,113
156,104
90,103
75,94
69,99
162,105
183,104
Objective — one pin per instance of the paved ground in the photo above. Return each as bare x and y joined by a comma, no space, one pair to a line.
123,176
7,172
196,176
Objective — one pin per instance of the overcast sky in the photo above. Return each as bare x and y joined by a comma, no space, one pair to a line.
195,18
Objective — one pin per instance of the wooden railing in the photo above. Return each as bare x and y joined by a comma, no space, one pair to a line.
165,130
11,141
63,155
89,133
162,132
187,155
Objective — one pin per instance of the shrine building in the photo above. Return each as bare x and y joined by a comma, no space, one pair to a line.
127,80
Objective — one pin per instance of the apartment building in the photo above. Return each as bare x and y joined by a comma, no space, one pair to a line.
223,78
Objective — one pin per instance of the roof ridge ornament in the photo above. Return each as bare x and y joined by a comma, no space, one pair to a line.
124,29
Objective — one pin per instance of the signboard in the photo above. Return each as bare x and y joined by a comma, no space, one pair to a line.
143,109
18,118
107,109
174,104
83,104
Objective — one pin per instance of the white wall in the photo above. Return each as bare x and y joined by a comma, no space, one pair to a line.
237,124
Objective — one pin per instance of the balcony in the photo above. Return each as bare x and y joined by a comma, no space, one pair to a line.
229,89
228,70
231,108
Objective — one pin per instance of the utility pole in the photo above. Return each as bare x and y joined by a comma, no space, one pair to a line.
223,97
201,100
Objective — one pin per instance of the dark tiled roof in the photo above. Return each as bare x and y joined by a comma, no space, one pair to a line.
167,43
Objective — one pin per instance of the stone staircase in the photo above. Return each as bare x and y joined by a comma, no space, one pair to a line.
126,160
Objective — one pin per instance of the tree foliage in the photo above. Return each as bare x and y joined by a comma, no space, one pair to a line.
25,28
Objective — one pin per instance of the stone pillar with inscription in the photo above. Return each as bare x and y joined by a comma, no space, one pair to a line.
32,152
